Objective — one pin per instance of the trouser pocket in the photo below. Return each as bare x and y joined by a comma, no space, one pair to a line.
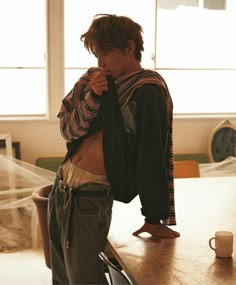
89,226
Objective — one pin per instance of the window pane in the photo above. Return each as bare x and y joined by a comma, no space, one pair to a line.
196,50
22,30
202,91
22,57
23,92
196,36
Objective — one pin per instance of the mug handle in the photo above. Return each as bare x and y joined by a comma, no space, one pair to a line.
210,243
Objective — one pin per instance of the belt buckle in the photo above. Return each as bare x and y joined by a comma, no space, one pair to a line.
63,187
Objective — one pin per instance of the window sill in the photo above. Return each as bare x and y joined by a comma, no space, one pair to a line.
205,116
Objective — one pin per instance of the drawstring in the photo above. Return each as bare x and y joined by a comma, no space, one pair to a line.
67,198
66,204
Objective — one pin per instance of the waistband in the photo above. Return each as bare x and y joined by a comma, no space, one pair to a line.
76,176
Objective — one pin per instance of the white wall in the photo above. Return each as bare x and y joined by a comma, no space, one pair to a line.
42,138
36,138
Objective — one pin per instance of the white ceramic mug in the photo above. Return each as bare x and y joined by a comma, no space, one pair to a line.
223,243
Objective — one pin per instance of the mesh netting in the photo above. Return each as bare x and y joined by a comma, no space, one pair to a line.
18,216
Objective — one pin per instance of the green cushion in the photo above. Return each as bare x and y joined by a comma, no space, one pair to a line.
200,157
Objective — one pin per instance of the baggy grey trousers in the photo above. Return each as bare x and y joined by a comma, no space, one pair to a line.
78,223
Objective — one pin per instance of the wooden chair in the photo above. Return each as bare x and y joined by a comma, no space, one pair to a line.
222,142
117,277
40,198
186,169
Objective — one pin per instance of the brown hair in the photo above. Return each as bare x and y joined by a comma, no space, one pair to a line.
110,31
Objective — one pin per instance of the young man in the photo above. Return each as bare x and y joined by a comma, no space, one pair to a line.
81,200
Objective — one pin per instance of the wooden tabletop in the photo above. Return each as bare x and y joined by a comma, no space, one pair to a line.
203,206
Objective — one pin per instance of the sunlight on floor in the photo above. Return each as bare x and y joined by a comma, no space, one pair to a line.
24,267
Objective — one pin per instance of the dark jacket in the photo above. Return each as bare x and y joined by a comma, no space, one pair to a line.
134,148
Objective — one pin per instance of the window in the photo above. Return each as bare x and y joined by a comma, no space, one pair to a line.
196,54
190,42
192,46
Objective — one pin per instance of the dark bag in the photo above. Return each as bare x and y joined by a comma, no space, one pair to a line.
119,162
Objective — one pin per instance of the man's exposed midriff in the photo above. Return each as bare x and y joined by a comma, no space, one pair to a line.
89,156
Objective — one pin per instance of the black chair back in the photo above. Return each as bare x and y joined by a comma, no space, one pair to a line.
117,277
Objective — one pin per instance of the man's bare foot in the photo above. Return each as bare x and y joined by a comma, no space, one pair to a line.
157,230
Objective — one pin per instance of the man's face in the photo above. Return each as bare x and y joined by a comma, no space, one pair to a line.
113,63
116,62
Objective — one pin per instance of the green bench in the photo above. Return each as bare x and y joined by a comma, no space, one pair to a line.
52,163
49,163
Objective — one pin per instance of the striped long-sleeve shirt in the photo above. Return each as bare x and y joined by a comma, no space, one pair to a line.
80,107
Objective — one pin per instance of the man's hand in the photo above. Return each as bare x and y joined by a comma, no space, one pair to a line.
157,230
99,83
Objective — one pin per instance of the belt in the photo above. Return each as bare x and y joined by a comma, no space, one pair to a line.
85,189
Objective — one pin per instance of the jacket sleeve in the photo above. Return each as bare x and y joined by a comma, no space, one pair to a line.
79,108
151,126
